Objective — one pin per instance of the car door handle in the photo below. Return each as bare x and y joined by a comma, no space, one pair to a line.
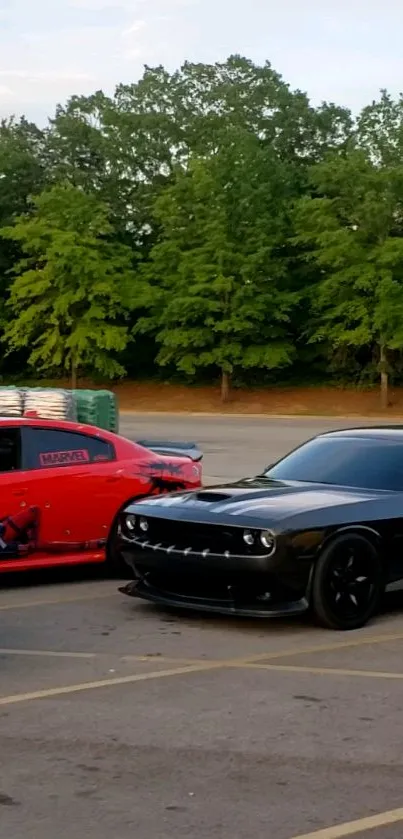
113,478
20,492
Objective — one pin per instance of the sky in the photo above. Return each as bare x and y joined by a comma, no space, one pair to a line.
335,50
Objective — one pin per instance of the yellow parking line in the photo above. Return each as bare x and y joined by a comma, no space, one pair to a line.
206,663
197,667
48,653
48,693
327,648
320,671
191,662
357,826
108,654
26,604
241,661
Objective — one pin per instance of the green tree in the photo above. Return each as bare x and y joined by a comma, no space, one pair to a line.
184,113
84,149
379,130
73,289
129,147
22,164
216,286
353,230
22,174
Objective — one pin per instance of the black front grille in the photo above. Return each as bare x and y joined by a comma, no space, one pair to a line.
229,587
193,585
198,537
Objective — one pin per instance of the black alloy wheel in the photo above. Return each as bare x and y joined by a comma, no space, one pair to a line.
348,583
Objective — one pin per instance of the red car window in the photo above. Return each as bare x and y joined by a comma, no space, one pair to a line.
10,449
46,448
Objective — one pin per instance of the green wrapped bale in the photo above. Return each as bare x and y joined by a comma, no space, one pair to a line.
111,409
97,407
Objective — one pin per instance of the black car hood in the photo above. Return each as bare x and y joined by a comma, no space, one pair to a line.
254,500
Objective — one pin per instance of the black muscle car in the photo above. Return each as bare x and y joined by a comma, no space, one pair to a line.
322,529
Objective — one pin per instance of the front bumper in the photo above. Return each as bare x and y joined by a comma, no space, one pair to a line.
249,585
231,605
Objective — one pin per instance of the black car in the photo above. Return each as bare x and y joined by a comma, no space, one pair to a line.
320,529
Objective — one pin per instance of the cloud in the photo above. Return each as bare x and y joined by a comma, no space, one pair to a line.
50,51
132,55
133,49
45,77
100,5
137,26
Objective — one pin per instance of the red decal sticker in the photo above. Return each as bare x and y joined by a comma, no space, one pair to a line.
64,458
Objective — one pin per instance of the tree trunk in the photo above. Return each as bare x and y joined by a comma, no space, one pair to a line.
225,385
73,374
383,366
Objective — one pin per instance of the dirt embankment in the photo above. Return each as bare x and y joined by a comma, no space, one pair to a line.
308,401
324,401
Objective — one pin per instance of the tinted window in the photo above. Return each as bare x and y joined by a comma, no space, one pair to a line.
10,449
354,462
44,449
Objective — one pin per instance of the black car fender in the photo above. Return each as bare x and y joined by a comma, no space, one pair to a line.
361,529
113,530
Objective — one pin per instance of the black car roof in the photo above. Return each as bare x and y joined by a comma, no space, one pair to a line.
380,432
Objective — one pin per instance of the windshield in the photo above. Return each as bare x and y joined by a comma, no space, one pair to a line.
344,461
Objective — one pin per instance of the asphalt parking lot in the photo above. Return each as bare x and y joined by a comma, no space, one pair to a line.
117,717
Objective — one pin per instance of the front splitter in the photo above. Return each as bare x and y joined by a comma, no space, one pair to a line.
144,591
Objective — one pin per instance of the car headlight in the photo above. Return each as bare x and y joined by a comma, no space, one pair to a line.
268,540
143,525
248,537
130,522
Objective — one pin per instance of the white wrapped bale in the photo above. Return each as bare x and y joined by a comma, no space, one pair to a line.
50,403
11,402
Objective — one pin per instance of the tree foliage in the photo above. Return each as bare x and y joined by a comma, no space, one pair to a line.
216,284
355,233
22,173
72,288
206,222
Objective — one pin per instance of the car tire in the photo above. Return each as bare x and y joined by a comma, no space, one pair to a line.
348,583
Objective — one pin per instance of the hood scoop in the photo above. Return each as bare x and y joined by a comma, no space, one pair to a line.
209,496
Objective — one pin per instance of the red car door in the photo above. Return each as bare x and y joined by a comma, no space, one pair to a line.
73,478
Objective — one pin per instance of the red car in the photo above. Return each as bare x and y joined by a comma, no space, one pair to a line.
63,484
